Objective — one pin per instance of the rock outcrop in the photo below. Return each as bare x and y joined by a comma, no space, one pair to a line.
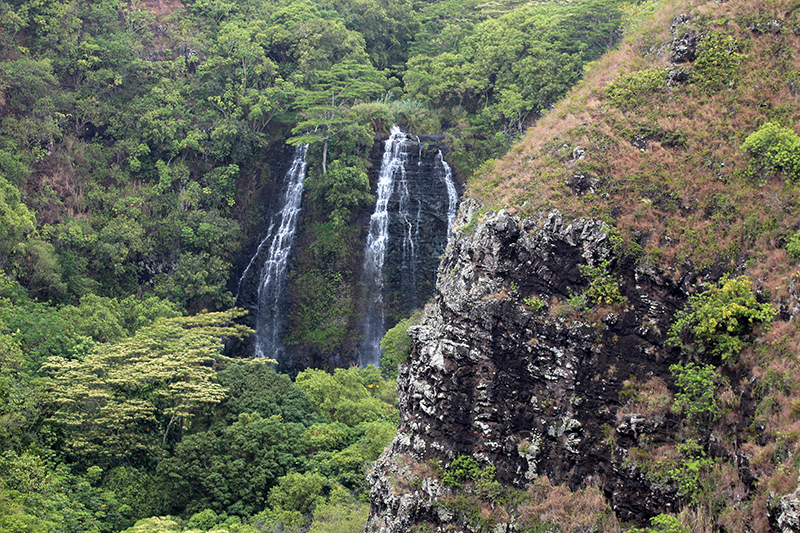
511,368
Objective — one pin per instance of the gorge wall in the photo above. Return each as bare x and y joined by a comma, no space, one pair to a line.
505,370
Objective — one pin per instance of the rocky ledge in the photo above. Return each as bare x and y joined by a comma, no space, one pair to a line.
511,367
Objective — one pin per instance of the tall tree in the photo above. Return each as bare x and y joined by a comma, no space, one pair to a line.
132,400
325,107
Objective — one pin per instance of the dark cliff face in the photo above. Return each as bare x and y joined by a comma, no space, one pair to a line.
532,391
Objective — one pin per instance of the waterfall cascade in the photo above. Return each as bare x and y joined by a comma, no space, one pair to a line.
274,251
409,229
452,194
416,202
393,165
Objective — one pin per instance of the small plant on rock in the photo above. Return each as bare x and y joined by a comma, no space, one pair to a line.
463,468
696,396
793,246
534,303
603,287
720,319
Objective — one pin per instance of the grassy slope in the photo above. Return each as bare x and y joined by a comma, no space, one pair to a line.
691,202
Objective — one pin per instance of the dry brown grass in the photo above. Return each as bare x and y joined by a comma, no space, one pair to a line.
647,399
636,184
697,520
569,510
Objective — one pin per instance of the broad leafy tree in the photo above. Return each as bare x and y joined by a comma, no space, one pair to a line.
131,401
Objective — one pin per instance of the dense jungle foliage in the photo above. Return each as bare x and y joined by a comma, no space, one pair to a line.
142,147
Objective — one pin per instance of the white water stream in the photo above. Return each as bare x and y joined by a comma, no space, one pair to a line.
270,313
393,168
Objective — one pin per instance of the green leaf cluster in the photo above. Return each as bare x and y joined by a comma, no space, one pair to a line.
793,246
631,90
775,148
688,473
396,346
460,470
696,398
720,319
603,288
717,63
663,523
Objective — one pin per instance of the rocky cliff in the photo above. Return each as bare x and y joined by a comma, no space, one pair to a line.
505,370
541,365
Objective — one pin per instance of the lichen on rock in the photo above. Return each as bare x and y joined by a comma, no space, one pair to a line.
527,391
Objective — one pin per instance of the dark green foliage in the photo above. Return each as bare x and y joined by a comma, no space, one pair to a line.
109,319
39,330
255,387
515,66
793,246
603,288
662,523
323,309
138,489
23,398
687,472
15,221
463,468
340,192
38,494
234,468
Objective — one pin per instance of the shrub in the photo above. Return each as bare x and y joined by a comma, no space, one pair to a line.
534,303
630,90
687,472
463,468
720,319
793,246
696,398
603,287
396,346
717,62
775,148
662,523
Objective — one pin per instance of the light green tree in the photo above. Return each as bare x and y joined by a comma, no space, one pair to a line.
132,400
720,319
343,396
326,105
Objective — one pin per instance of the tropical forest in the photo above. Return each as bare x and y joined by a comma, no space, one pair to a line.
388,266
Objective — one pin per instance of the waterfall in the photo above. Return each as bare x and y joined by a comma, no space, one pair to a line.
393,165
269,311
452,194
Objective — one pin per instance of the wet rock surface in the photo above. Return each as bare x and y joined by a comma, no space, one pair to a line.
505,370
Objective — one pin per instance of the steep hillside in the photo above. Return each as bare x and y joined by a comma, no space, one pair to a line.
618,312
